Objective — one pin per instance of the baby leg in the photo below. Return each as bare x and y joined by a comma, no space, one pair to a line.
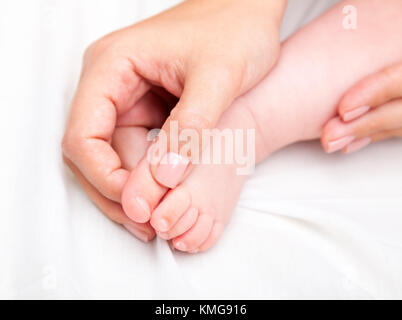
317,65
320,63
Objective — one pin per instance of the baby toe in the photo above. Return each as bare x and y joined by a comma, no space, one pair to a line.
142,193
185,223
169,211
193,238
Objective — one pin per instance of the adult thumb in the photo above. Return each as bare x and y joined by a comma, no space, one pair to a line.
207,93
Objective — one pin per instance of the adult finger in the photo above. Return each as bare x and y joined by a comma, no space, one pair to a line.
339,135
107,88
371,92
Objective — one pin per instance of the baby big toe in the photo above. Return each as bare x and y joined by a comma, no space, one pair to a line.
142,193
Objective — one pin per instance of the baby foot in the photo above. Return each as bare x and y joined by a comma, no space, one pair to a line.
291,104
194,214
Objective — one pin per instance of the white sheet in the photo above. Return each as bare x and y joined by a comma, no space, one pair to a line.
308,225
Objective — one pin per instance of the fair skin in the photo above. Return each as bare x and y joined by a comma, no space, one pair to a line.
370,111
195,58
128,132
292,104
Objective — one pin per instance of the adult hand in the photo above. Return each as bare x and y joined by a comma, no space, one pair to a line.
129,141
370,111
206,52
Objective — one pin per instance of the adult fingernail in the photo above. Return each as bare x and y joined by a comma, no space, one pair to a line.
143,236
140,210
354,114
171,169
357,145
181,246
339,144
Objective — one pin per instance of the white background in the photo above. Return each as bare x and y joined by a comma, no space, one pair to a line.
308,225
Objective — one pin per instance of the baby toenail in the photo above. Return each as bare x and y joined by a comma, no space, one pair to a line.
163,235
163,225
181,246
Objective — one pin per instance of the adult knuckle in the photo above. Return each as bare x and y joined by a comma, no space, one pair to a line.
231,71
90,51
190,120
70,145
99,48
66,145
